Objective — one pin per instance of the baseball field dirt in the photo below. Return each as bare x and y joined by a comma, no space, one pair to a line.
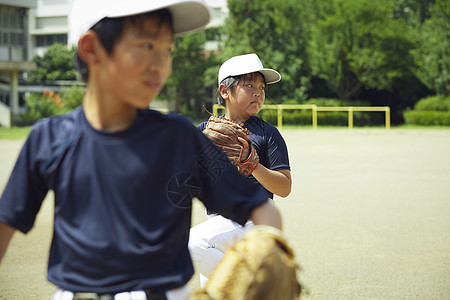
368,217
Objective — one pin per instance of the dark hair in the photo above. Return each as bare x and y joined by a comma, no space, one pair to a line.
231,81
109,30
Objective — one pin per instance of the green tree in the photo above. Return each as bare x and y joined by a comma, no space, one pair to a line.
411,11
57,63
186,85
360,46
432,56
275,31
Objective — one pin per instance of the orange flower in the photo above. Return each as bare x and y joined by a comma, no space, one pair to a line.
57,100
48,93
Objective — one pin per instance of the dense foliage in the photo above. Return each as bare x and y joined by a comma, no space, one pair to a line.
388,52
186,85
49,103
57,63
432,52
277,32
383,52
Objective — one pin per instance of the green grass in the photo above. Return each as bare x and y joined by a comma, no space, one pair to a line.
421,127
14,133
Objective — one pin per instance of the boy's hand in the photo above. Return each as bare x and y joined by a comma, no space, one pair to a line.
6,233
245,148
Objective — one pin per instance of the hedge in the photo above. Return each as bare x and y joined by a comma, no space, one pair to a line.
49,103
427,118
304,117
433,103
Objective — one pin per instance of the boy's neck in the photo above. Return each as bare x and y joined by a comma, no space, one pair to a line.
235,117
107,114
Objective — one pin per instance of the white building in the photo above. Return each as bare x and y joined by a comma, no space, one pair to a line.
15,53
49,23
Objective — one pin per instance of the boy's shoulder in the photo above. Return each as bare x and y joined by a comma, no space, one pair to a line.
52,132
173,116
75,123
255,122
171,119
172,125
61,125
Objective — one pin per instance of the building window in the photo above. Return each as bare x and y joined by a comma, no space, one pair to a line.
213,34
50,39
12,32
217,12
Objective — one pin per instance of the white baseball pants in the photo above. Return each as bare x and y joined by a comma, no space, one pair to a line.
209,240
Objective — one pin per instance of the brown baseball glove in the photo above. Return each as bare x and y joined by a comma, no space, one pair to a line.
225,133
259,266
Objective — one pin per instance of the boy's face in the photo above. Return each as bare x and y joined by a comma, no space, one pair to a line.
247,98
140,63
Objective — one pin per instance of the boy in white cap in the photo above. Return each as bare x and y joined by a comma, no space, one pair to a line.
242,85
123,175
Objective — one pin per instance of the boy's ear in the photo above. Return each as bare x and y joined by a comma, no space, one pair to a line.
223,90
87,47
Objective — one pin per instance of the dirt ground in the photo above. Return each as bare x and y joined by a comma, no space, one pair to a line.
368,217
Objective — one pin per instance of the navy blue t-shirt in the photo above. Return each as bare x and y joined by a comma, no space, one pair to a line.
268,143
122,200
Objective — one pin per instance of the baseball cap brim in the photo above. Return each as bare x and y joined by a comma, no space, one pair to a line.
271,76
187,16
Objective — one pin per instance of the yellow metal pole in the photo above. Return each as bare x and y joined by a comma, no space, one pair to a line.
280,117
350,118
388,117
314,117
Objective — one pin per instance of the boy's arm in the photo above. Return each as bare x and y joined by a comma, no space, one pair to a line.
266,214
277,182
6,233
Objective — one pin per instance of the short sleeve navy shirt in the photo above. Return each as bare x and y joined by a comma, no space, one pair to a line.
268,143
122,200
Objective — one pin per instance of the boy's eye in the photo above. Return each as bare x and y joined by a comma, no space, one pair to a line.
249,85
147,46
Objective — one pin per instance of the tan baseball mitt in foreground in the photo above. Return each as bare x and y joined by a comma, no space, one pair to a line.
261,266
225,133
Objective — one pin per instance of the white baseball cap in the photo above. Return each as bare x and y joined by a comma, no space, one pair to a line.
245,64
187,15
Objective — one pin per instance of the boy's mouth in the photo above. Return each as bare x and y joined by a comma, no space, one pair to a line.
154,85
